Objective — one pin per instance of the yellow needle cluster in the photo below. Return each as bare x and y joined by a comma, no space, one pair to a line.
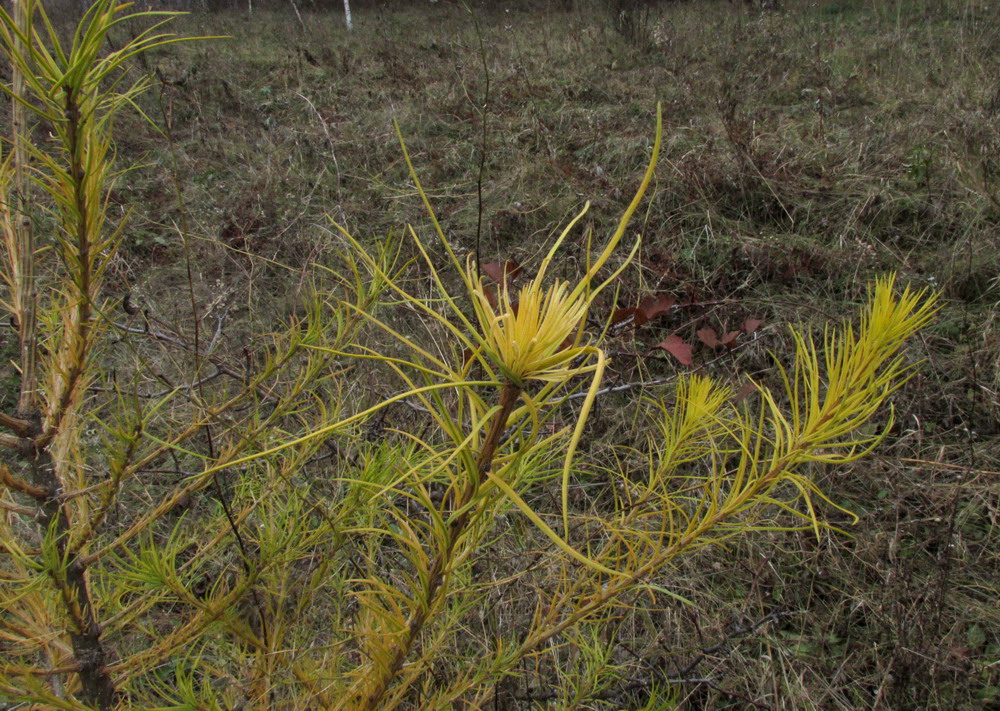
532,336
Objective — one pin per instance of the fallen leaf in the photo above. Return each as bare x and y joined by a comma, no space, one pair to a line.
652,306
501,272
708,337
491,295
751,325
744,392
622,315
729,340
675,346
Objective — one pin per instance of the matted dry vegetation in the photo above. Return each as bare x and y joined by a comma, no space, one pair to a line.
805,152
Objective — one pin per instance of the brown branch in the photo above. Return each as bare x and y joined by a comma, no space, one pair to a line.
20,427
12,482
16,508
166,391
738,632
656,675
15,670
666,379
615,328
10,442
222,367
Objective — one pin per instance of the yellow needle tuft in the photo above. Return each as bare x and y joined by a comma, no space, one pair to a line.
529,336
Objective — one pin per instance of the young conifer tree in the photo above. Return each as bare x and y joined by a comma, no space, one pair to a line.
118,411
185,530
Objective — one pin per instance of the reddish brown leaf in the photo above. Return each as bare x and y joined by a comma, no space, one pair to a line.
709,338
751,325
491,295
621,315
675,346
729,340
494,270
744,392
501,272
652,306
467,355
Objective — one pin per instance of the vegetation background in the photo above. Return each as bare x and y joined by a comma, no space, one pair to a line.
807,149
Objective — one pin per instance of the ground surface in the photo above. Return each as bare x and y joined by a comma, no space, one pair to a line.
805,152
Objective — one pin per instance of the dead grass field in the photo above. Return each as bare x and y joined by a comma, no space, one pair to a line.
805,152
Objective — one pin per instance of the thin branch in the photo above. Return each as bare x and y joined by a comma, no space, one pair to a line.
666,379
220,320
738,632
166,391
22,428
14,670
945,465
16,508
222,366
630,320
10,442
12,482
484,113
686,676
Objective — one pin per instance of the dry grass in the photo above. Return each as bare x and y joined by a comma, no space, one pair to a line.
806,151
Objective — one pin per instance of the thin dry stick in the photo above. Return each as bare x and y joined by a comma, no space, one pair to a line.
945,465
